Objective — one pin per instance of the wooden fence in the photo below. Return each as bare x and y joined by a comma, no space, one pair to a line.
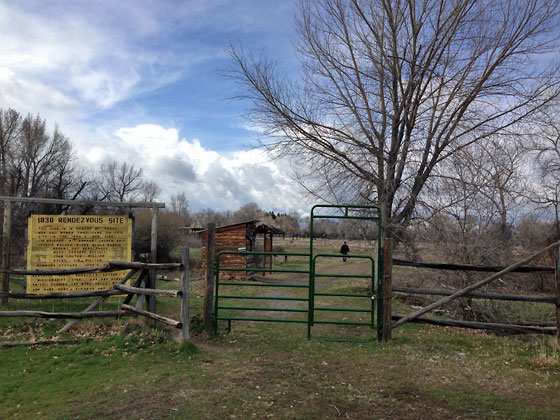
142,269
468,292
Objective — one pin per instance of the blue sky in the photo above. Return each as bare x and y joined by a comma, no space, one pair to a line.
143,81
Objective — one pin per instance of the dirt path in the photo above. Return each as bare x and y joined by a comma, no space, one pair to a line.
280,292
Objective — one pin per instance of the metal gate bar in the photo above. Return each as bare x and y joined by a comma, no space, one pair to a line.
262,297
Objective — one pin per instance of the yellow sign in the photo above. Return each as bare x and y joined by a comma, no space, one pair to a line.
57,242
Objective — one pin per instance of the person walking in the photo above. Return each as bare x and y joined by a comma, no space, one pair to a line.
344,250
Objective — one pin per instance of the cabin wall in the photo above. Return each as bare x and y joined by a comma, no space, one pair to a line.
233,238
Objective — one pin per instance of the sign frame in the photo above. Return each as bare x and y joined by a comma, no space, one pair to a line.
76,241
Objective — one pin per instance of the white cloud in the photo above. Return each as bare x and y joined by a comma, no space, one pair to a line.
102,55
103,88
26,96
209,179
97,69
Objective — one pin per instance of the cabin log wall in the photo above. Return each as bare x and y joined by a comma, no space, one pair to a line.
240,237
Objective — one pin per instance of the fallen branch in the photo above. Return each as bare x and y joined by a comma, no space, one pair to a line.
38,343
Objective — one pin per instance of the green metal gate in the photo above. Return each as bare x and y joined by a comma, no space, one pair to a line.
225,310
368,298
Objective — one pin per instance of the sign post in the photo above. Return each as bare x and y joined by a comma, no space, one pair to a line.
6,236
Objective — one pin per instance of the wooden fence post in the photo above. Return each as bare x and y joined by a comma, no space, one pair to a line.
140,297
6,236
151,300
185,318
387,289
557,291
209,289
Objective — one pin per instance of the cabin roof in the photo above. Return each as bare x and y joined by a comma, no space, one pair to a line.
262,228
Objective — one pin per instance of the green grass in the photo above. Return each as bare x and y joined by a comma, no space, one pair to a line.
119,370
195,254
271,371
482,403
54,382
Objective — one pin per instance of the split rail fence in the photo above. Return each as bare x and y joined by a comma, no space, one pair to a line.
551,328
142,270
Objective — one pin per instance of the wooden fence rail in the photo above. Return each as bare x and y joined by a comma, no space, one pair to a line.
491,296
146,291
468,292
111,266
63,315
70,295
117,289
468,267
512,328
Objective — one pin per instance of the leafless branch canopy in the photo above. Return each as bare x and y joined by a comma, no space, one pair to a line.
391,88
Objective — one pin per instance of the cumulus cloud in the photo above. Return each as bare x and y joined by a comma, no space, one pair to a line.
208,178
100,69
175,166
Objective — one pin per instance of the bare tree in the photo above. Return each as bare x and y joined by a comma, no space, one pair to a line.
289,223
505,174
179,204
119,182
389,89
150,191
475,198
10,128
61,175
39,164
34,163
205,216
249,211
29,156
546,193
479,192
